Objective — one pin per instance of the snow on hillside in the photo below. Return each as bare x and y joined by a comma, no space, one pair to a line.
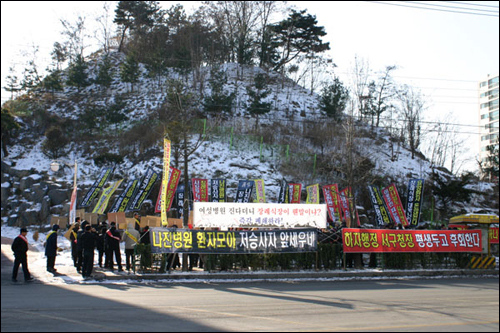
214,159
289,99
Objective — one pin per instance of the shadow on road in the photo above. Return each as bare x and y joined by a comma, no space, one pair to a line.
38,307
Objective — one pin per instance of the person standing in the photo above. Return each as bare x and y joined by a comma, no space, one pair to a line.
51,249
113,241
20,249
88,240
145,236
131,238
101,249
74,245
79,235
137,220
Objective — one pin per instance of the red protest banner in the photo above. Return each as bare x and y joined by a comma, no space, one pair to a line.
200,190
493,235
492,232
295,192
388,240
173,181
394,205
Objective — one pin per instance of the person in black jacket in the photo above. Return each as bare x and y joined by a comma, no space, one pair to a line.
145,236
80,233
101,248
88,243
20,249
112,240
74,245
51,249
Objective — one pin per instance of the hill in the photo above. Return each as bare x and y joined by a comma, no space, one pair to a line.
122,126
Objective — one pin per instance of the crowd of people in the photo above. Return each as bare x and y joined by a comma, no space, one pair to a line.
86,238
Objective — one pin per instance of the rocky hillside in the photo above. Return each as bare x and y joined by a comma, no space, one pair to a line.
293,141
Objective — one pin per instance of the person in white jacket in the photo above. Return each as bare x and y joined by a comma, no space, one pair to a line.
131,238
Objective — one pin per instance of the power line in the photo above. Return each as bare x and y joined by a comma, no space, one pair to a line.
452,7
471,4
433,9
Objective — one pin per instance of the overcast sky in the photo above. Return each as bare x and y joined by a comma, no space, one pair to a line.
440,51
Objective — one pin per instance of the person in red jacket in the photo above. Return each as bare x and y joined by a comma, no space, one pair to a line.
20,249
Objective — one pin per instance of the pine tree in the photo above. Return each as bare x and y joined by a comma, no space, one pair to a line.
104,77
9,124
53,82
31,77
298,34
492,163
135,16
116,113
333,99
256,96
13,86
55,143
77,73
452,190
218,102
130,70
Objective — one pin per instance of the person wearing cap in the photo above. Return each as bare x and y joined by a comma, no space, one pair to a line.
51,249
20,249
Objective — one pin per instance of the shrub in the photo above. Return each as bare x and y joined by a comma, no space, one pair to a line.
55,143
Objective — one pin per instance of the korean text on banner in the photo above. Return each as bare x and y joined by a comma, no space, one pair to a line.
330,193
389,240
145,187
312,194
260,191
284,195
96,187
218,190
256,215
121,203
200,190
166,171
393,202
379,206
414,201
102,203
295,192
208,241
244,193
173,182
347,203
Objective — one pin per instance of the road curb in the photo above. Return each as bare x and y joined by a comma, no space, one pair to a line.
388,274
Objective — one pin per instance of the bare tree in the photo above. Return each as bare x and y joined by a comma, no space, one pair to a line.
75,37
412,106
178,119
360,85
445,146
384,92
237,21
103,34
31,75
266,9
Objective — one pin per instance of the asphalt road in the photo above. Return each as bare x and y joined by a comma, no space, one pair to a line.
463,304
